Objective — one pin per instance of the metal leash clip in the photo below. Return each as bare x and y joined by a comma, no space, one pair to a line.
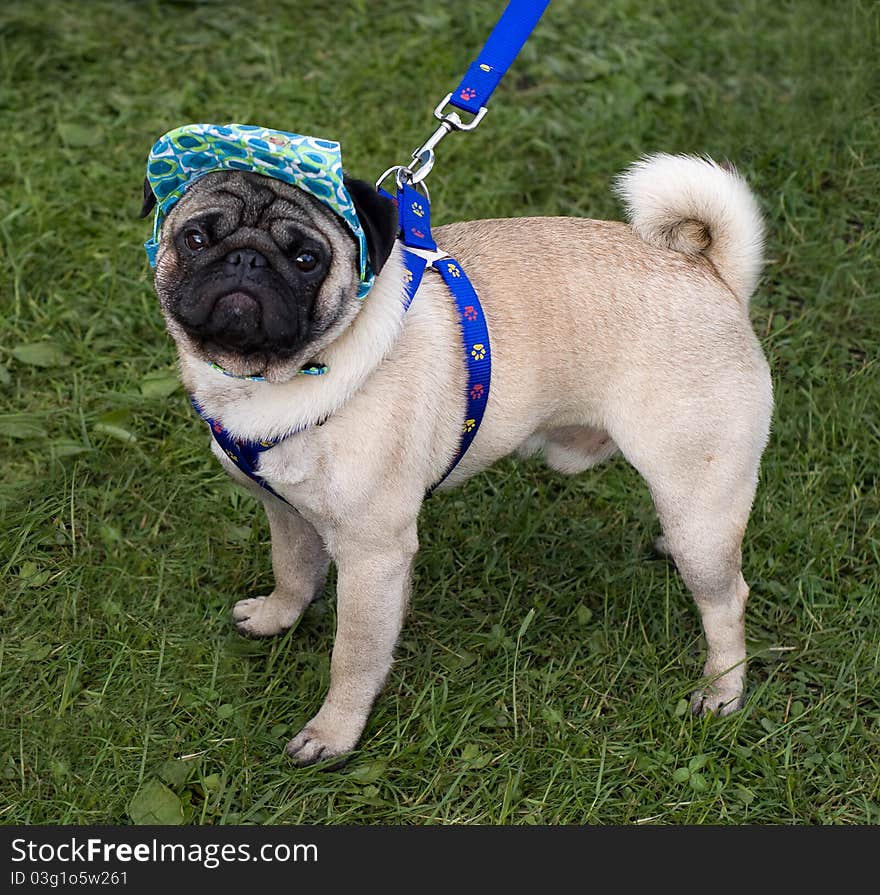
423,158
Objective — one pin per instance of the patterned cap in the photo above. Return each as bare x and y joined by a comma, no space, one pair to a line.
187,153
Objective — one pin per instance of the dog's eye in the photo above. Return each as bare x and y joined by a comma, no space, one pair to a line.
195,240
306,261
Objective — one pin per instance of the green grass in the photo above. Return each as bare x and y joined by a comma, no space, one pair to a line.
123,545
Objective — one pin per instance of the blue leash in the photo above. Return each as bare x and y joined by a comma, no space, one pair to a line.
506,40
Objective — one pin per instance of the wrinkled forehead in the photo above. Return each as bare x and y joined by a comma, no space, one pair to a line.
226,202
248,194
248,200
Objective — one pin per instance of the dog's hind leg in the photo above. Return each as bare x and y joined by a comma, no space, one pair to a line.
703,534
300,564
702,474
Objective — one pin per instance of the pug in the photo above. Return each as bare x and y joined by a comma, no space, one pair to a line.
606,337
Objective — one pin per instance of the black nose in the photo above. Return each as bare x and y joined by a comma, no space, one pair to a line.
245,258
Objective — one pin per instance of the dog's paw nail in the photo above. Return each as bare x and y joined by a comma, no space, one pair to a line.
297,744
244,609
307,747
259,617
708,702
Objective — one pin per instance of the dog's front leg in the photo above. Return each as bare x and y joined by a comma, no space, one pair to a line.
300,563
371,599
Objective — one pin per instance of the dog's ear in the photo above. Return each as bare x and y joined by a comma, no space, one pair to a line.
378,217
149,199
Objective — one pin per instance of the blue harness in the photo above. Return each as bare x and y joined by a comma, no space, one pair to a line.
504,43
415,224
414,216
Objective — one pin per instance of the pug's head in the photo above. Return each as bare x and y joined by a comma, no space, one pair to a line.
257,275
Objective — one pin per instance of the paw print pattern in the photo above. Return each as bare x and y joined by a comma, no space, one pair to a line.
418,209
468,426
467,94
477,392
416,232
407,276
478,351
470,313
453,270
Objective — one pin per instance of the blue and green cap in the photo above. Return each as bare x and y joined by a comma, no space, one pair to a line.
178,159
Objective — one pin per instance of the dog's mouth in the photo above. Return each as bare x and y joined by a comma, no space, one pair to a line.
235,323
244,320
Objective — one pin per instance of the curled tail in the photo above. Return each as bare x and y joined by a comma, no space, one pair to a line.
694,206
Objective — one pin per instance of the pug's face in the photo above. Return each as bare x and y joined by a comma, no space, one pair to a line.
258,276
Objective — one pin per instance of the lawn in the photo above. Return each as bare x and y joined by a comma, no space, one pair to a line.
543,674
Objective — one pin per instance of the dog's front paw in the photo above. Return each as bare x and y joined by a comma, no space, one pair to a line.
313,744
717,699
721,690
264,616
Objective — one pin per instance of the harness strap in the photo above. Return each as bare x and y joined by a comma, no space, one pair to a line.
477,351
415,233
244,454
